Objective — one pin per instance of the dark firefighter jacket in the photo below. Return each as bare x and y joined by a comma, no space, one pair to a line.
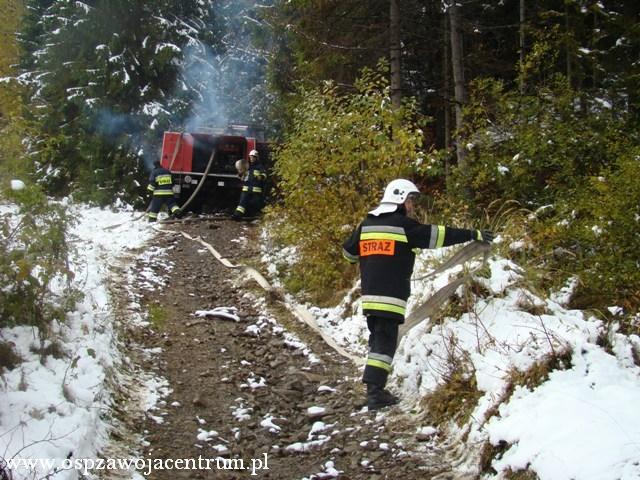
160,182
385,245
255,179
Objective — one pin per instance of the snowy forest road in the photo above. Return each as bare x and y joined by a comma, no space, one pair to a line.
263,392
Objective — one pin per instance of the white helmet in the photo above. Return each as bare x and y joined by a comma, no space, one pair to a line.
395,194
398,190
253,153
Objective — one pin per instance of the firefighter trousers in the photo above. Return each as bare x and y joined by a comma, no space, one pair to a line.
156,205
249,205
383,341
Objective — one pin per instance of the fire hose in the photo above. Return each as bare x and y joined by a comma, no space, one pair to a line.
299,312
418,314
431,306
201,183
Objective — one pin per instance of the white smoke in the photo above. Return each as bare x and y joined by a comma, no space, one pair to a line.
228,84
202,76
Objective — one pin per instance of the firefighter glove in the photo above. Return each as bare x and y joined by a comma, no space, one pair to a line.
484,235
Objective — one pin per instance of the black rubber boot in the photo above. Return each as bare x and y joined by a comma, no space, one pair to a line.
395,398
378,397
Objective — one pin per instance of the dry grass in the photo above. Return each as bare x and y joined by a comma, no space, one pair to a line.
454,400
521,475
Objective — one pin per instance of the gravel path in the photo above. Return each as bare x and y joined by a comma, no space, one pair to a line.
252,393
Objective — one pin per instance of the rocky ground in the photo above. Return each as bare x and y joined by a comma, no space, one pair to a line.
262,392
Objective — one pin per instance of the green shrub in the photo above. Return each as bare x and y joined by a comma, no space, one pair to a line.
33,253
601,234
536,148
571,158
332,168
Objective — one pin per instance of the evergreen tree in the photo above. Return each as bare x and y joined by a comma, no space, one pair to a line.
229,79
107,77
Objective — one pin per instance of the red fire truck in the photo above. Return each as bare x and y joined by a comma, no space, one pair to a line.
188,155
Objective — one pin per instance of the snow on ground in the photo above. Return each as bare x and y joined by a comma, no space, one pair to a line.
342,323
582,423
55,410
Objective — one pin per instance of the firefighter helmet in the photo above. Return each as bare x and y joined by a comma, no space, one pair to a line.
253,153
398,190
395,194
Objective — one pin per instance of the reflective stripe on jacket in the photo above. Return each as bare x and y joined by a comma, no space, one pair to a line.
384,245
255,179
160,182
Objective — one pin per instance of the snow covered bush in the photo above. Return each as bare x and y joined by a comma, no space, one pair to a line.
33,254
103,80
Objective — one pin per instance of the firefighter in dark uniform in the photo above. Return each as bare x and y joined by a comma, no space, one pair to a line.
161,186
251,198
384,246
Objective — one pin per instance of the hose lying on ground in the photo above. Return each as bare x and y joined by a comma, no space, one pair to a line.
300,312
423,311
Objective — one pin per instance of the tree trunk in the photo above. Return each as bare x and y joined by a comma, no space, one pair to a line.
446,94
458,79
395,53
567,26
522,38
593,49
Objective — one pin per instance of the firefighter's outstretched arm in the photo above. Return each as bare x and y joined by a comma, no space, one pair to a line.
437,236
351,248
